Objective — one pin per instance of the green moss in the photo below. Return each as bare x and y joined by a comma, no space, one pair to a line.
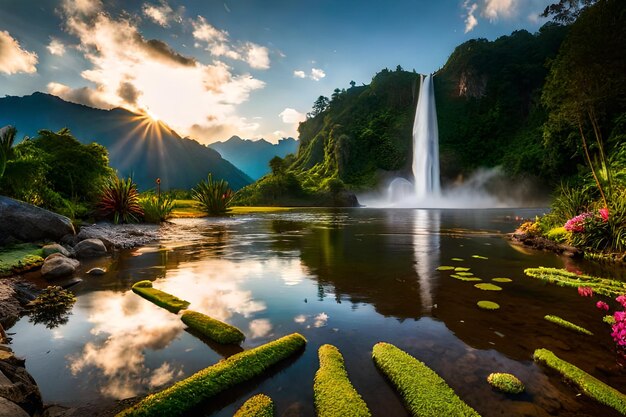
488,305
461,269
425,393
158,297
463,278
506,383
458,259
557,234
479,257
465,274
502,279
213,329
563,278
334,394
608,319
487,287
258,406
192,391
589,385
445,268
20,258
566,324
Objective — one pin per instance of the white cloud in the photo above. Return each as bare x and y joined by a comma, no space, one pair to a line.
162,14
260,328
56,47
299,74
317,74
82,7
14,59
257,56
320,320
290,116
470,20
495,9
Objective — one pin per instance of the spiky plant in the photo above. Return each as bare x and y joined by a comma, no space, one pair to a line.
214,196
119,201
7,137
157,208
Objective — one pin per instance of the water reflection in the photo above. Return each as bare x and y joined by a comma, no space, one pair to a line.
426,224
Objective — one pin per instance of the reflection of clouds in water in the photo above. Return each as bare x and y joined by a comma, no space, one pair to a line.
300,319
320,320
260,328
133,325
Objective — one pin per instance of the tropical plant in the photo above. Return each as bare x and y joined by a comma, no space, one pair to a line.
156,208
119,201
7,137
214,196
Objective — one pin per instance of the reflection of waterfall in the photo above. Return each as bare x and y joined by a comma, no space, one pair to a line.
426,142
426,224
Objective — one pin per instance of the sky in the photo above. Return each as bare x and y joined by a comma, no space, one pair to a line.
253,68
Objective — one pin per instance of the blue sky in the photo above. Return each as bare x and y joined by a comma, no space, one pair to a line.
211,69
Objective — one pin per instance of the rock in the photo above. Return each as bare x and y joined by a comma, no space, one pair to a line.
28,223
69,283
94,232
57,265
90,248
23,390
54,248
10,409
97,271
55,410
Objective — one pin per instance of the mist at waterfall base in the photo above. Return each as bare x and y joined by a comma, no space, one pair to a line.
484,188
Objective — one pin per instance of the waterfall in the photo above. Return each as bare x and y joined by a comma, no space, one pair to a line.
426,143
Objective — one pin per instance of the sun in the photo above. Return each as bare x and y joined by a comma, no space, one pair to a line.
152,115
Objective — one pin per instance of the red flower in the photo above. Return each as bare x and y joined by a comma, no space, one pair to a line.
585,291
602,305
604,213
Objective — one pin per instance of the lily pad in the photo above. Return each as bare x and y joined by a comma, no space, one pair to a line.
479,257
462,278
465,274
461,269
502,280
458,259
488,305
445,268
487,287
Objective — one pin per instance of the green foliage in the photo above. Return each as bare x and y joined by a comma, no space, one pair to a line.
258,406
558,234
214,197
158,297
563,278
424,393
506,383
52,307
590,386
566,11
334,394
119,201
7,137
19,258
201,386
567,324
211,328
156,208
488,305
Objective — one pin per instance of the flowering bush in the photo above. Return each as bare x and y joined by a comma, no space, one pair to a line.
530,228
598,230
577,223
585,291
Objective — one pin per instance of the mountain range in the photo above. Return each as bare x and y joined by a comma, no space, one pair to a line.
137,145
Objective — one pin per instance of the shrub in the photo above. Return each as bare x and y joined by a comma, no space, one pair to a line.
119,201
530,228
156,209
563,278
567,324
52,307
334,394
424,392
211,328
589,385
158,297
558,234
258,406
506,383
214,196
192,391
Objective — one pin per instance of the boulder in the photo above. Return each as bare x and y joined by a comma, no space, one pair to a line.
21,388
90,248
28,223
58,265
54,248
10,409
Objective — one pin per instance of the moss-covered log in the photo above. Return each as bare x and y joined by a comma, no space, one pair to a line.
563,278
258,406
567,324
158,297
204,384
211,328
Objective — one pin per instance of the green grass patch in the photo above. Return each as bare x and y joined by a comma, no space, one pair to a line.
590,386
502,279
334,394
162,299
488,305
563,278
187,209
258,406
458,259
201,386
445,268
608,319
425,393
506,383
567,324
464,278
461,269
487,287
479,257
211,328
20,258
247,210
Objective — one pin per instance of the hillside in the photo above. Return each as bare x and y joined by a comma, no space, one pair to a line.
253,156
137,145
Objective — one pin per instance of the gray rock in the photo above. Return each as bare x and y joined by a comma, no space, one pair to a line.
29,223
54,248
10,409
55,410
90,248
23,391
57,265
97,271
95,232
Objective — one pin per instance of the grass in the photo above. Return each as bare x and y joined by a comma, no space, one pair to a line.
191,209
487,287
563,278
506,383
19,258
465,278
488,305
425,393
207,383
567,324
258,406
158,297
213,329
333,393
590,386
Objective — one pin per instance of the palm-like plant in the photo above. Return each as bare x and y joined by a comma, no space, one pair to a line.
119,201
157,208
7,137
214,196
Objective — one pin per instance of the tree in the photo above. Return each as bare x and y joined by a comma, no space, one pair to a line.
7,137
277,165
399,68
319,106
335,95
566,11
352,84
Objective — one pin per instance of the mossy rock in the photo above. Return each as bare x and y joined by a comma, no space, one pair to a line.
464,278
445,268
23,257
507,383
162,299
488,305
567,324
211,328
502,279
487,287
258,406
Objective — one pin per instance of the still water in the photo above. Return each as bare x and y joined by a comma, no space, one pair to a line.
349,277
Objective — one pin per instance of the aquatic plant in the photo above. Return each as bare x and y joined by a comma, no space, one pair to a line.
214,196
192,391
119,201
157,208
567,324
425,393
457,259
502,279
465,274
158,297
461,269
487,287
52,307
561,277
488,305
506,383
258,406
445,268
333,393
590,386
211,328
479,257
465,278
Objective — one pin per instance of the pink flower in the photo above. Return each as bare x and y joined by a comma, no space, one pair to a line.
622,300
602,305
585,291
604,213
577,223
